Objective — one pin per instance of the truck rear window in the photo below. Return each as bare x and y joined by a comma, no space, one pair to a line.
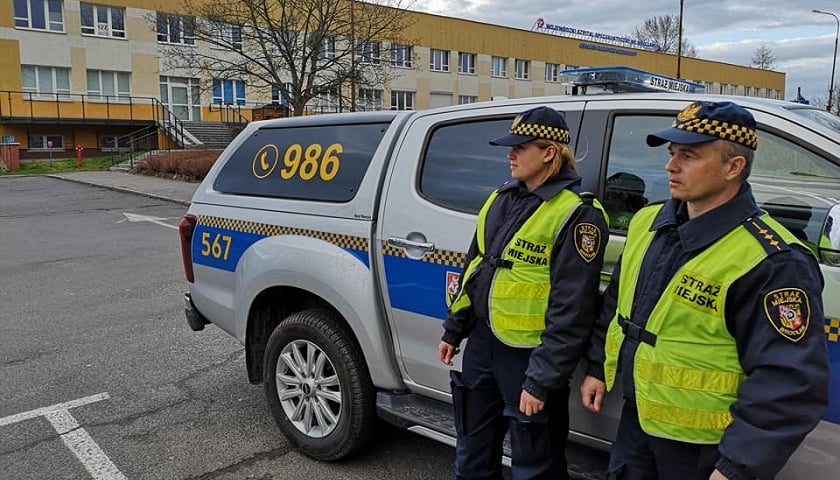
325,163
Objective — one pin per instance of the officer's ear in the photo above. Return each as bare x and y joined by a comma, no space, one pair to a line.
734,166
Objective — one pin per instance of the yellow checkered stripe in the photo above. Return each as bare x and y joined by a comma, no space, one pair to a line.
541,131
723,130
448,258
269,230
832,329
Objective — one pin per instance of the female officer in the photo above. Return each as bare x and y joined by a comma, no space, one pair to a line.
528,297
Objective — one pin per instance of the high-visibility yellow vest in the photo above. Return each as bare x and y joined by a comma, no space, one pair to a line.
521,283
687,380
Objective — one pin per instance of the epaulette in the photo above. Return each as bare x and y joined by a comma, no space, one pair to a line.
587,197
768,239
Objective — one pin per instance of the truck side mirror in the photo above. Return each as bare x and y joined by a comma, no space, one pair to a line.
829,243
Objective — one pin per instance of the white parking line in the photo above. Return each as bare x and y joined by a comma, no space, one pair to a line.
74,436
134,218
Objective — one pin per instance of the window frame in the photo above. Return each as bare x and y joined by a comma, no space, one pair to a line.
401,55
111,32
185,24
554,70
47,13
466,63
369,52
220,91
402,98
371,97
45,138
495,63
522,69
98,94
438,60
38,71
226,36
467,99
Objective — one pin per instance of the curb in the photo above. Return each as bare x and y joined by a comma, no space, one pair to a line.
119,189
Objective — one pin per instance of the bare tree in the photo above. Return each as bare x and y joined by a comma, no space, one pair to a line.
306,49
763,57
665,32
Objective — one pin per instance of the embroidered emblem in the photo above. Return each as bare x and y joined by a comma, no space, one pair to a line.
789,311
689,112
453,281
587,241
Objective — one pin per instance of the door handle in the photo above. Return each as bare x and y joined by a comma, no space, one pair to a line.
406,243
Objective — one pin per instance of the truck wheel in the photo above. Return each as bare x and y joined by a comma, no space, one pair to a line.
318,386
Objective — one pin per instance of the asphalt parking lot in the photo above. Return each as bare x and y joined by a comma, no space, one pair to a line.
100,377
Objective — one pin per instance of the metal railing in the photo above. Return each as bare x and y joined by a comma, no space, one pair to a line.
58,107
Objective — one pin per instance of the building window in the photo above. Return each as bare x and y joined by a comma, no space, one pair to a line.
327,101
228,92
370,99
175,29
402,100
439,60
46,81
277,95
102,21
46,142
522,67
498,67
552,72
465,99
39,14
114,143
466,62
226,36
401,56
369,52
327,49
103,84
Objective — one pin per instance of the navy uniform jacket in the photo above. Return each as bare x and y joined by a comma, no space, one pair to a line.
786,390
573,301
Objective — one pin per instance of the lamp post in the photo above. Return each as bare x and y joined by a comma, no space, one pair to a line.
679,40
834,64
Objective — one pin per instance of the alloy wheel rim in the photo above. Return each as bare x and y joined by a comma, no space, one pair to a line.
308,388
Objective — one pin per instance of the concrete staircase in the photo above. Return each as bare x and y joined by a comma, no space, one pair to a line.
212,134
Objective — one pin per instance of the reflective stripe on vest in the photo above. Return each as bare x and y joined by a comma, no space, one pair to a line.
519,295
686,383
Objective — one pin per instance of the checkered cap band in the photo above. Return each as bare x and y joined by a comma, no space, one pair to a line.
541,131
723,130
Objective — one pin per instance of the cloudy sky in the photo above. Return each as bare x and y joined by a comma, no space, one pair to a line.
726,31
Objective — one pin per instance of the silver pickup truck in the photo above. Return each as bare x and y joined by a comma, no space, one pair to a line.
331,246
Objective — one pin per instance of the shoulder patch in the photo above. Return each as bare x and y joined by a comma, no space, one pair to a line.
789,311
587,241
768,239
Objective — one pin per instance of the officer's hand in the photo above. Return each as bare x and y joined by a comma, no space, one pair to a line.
529,404
592,393
446,352
716,475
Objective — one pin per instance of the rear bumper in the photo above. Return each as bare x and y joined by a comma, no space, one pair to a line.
195,319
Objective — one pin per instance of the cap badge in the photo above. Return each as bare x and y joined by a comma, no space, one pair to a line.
689,112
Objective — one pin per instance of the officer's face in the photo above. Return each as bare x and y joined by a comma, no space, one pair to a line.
529,163
698,174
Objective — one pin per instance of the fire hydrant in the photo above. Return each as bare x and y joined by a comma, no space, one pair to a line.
79,149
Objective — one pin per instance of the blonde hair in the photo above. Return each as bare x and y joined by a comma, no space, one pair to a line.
563,156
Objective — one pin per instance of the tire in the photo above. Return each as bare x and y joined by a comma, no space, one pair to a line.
318,387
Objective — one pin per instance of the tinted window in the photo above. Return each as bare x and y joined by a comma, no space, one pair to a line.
794,185
311,163
460,168
635,172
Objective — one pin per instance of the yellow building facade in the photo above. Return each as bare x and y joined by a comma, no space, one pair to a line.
91,74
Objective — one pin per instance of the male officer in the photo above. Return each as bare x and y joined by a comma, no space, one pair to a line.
713,319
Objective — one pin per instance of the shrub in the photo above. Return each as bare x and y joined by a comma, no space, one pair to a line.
190,165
